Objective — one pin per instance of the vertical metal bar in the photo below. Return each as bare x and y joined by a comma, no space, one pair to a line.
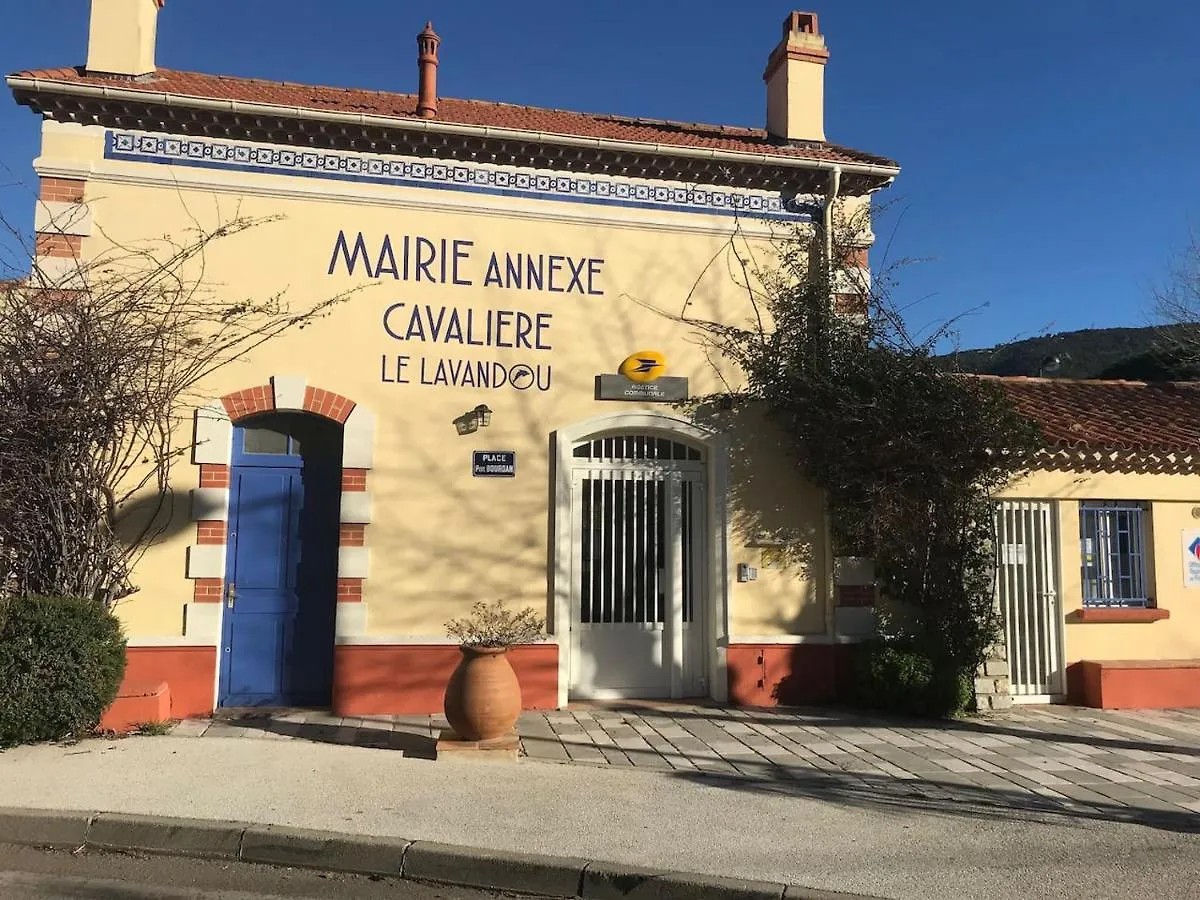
639,551
598,554
1033,555
581,542
674,624
1047,600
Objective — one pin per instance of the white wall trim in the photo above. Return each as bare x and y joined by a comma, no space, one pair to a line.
289,392
716,447
856,571
210,504
769,640
354,562
168,640
854,621
206,561
213,435
356,508
64,272
202,623
350,622
358,439
62,217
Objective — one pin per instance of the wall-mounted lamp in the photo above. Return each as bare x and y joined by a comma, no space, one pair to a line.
472,420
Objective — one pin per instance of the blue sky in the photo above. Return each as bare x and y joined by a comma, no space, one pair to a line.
1049,149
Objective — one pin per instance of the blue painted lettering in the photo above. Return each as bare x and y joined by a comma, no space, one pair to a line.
387,261
594,273
555,268
387,316
461,254
543,325
454,328
424,263
492,276
503,319
530,272
350,259
576,274
512,266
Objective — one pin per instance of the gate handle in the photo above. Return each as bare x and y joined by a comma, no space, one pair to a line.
230,595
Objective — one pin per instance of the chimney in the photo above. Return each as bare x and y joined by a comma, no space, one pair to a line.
427,66
121,37
795,78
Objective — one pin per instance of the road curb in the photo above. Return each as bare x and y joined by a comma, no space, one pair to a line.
424,861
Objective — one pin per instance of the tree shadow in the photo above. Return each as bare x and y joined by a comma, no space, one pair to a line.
884,794
412,737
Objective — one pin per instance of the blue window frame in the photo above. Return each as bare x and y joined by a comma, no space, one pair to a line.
1113,546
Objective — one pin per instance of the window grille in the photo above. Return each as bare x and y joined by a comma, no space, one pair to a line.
1112,544
635,446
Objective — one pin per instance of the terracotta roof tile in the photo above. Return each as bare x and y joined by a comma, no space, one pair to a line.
1074,414
470,112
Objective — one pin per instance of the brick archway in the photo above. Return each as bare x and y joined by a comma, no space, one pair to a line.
210,501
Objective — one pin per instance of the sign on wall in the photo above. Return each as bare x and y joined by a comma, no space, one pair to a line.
1191,558
494,463
640,377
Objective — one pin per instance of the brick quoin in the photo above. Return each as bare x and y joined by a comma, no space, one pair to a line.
856,595
214,475
210,532
354,480
208,590
62,245
253,400
62,190
353,536
349,590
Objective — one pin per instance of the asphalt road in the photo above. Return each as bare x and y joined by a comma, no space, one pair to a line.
29,874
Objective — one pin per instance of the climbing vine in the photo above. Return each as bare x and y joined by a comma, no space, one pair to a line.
908,455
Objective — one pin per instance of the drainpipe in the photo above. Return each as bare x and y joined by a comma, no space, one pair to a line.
829,565
835,187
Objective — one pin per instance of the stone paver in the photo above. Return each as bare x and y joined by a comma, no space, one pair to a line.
1139,764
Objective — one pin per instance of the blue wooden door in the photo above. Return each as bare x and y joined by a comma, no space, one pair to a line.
281,565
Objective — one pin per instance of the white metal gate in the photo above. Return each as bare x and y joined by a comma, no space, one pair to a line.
1027,590
637,583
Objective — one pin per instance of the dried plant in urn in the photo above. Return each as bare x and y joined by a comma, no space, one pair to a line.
483,697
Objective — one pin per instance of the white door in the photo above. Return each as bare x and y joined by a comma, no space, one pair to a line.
637,584
1027,589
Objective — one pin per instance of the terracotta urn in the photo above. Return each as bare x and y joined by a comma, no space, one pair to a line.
483,698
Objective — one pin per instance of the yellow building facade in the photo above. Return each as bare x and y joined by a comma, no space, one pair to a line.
491,409
497,386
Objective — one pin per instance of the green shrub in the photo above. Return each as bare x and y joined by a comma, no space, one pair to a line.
900,678
61,663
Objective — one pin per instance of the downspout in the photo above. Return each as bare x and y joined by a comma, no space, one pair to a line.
835,187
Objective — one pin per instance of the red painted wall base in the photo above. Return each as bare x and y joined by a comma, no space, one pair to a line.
411,679
789,674
189,673
136,704
1135,684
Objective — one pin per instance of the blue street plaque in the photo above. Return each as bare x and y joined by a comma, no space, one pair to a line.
494,463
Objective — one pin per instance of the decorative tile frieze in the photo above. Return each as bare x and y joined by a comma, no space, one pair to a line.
481,178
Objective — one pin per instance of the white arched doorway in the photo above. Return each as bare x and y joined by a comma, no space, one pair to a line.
639,575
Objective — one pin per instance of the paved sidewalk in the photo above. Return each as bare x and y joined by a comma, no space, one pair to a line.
1146,762
820,820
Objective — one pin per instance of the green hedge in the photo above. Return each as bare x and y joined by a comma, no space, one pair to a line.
900,678
61,663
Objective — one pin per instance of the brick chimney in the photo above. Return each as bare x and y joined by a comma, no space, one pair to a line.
795,78
121,37
427,66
